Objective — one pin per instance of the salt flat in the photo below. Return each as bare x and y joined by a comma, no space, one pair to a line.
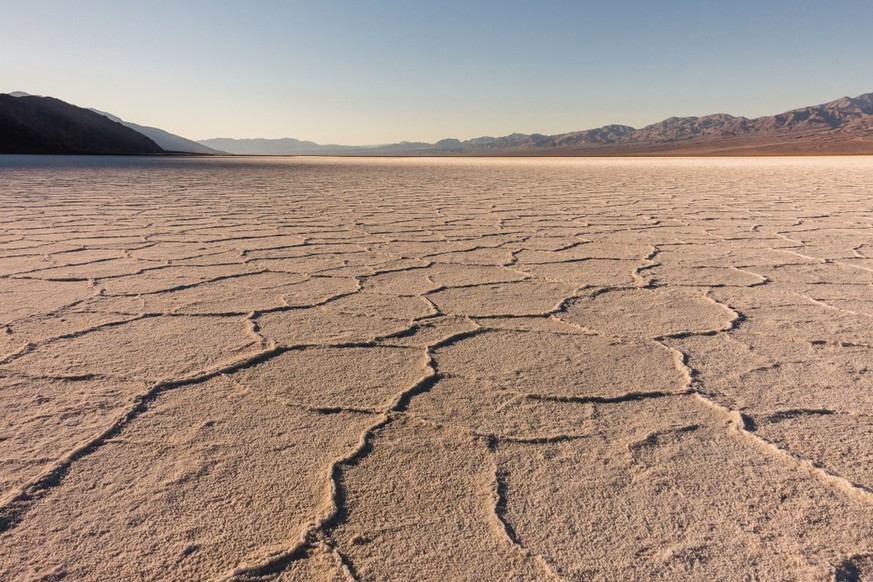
436,369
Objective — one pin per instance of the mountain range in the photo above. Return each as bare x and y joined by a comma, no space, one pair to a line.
843,126
31,124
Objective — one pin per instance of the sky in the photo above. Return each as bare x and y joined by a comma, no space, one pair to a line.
382,71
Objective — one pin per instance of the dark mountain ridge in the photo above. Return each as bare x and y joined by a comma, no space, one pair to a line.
45,125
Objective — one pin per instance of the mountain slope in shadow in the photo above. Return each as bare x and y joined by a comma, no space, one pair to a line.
45,125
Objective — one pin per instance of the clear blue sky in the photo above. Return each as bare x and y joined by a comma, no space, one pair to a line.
380,71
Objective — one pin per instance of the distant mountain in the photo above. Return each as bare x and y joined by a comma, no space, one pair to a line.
844,126
166,140
44,125
276,147
844,121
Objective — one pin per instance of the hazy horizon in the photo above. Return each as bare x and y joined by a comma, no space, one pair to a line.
356,75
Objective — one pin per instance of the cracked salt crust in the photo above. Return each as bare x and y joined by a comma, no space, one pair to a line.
436,369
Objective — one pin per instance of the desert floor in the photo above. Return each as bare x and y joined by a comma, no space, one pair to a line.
331,369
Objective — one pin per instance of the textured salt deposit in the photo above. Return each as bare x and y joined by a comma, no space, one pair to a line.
436,369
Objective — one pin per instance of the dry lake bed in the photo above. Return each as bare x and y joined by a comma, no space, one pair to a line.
436,369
